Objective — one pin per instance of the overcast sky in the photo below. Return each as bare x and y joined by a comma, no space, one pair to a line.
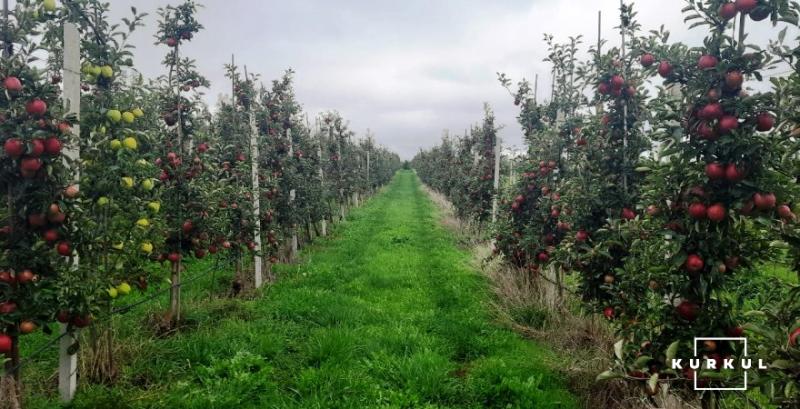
405,69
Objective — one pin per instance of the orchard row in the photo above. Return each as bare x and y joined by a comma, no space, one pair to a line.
106,174
664,206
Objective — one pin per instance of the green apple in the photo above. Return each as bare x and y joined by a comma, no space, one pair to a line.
126,182
130,142
114,115
106,71
124,288
49,5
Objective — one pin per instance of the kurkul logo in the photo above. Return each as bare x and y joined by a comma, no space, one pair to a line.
696,364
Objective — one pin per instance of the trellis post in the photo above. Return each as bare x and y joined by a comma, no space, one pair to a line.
323,223
67,362
292,196
256,192
497,148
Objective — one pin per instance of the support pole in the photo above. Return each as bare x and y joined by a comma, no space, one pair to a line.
323,222
497,148
175,276
292,195
624,113
68,363
256,192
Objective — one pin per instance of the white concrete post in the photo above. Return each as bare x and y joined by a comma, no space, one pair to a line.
323,223
256,198
497,148
292,195
68,363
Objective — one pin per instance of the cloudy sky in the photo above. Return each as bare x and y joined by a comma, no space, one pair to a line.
407,69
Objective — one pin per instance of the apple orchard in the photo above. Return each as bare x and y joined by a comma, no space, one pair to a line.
657,182
104,187
656,186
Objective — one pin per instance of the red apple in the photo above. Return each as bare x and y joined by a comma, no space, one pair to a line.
746,6
50,235
764,201
765,122
6,277
37,147
697,210
608,312
707,62
728,123
711,111
734,79
64,249
694,263
733,173
617,82
12,84
717,212
715,171
648,60
8,307
543,257
6,343
728,11
81,321
664,69
706,131
794,336
785,212
52,146
14,147
603,88
36,107
29,164
64,127
581,236
172,42
37,219
174,257
63,317
628,214
688,310
25,276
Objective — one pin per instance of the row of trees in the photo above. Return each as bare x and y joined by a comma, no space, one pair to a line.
665,207
106,174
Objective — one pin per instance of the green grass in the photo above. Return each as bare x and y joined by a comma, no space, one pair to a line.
385,314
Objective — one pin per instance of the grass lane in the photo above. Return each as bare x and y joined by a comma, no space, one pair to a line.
385,314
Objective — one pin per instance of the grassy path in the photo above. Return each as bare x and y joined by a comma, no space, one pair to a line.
387,314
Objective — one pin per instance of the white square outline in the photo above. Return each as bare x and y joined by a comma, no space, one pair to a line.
744,388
